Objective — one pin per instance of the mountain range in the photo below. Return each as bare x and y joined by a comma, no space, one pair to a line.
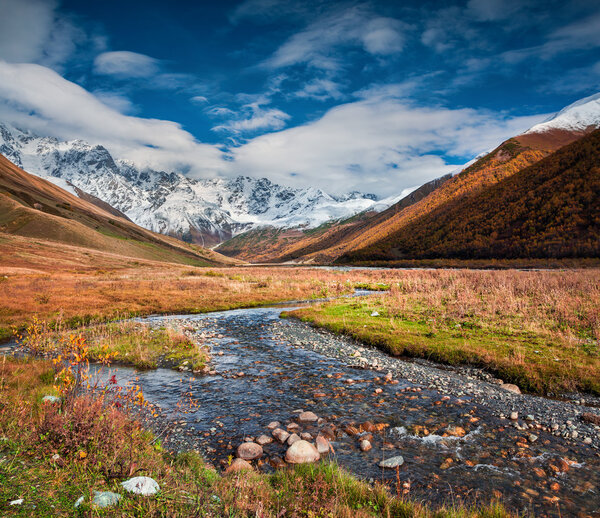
535,195
421,225
199,211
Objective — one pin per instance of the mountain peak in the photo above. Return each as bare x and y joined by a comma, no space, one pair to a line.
577,117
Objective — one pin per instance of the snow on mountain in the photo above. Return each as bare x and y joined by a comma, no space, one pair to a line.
203,211
579,116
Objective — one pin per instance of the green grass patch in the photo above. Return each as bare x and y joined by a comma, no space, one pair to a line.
534,361
145,347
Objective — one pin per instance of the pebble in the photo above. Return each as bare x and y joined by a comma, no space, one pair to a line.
264,439
293,438
514,416
365,445
273,424
392,462
280,435
308,417
322,445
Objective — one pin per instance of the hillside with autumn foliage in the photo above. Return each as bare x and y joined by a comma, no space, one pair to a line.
548,210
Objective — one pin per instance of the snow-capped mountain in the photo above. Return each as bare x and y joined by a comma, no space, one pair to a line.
580,116
202,211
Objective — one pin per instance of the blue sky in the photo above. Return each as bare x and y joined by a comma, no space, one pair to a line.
374,96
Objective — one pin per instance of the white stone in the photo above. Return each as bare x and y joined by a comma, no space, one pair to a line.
392,462
141,486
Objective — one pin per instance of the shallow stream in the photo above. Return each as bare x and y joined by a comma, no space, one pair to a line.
267,370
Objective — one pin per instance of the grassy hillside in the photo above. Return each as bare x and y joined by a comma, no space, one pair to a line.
510,157
37,209
550,209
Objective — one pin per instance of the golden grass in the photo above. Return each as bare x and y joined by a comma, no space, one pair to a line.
539,329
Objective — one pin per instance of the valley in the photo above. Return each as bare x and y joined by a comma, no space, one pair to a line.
184,335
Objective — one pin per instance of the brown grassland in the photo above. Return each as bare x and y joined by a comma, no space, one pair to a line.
457,316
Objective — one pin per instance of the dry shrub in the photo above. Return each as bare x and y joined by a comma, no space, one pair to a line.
96,434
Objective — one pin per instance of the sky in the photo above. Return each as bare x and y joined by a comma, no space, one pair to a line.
375,96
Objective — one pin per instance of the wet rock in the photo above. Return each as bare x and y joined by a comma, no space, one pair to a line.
514,416
301,452
532,437
456,431
323,445
273,424
392,462
249,451
447,463
306,436
365,445
264,439
308,417
145,486
293,438
510,388
293,427
238,465
280,435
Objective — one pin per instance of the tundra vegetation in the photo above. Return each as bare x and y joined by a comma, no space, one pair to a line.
97,434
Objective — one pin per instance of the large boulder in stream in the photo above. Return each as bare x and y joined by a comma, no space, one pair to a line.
301,452
249,451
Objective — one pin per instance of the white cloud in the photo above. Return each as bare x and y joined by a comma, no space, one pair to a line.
37,98
380,145
199,99
321,90
33,31
257,119
125,64
355,26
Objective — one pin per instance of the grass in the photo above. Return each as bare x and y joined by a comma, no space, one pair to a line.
145,347
51,456
539,330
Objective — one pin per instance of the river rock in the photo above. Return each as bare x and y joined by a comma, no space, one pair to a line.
264,439
301,452
308,417
238,465
511,388
392,462
280,435
305,436
141,486
249,451
365,445
273,424
455,431
323,445
293,438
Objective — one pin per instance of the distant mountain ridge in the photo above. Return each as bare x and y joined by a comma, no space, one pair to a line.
430,213
37,210
200,211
